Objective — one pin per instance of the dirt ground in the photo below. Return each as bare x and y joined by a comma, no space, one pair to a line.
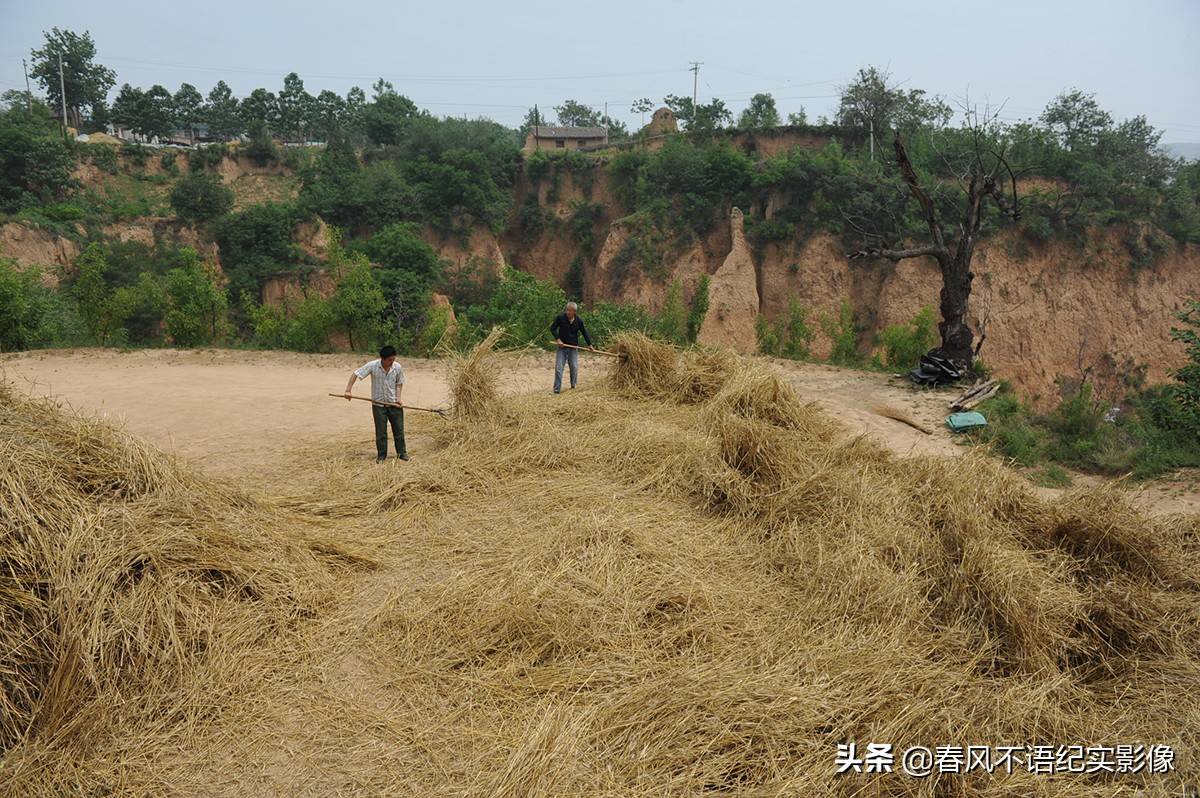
236,412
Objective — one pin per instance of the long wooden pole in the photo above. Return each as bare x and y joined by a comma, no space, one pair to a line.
597,351
439,411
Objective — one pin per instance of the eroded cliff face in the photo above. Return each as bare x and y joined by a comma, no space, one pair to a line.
1048,312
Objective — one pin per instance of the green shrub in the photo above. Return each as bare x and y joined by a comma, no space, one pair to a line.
268,323
672,319
62,212
135,154
843,335
309,326
208,156
1010,428
35,163
1051,476
102,156
357,307
606,319
524,305
904,344
139,307
197,303
256,245
767,335
698,310
261,148
201,197
167,161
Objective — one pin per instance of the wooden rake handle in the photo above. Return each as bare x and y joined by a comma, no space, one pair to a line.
437,410
597,351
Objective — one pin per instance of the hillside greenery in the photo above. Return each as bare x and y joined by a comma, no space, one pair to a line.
388,177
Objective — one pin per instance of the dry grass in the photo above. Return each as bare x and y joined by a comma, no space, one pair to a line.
475,384
606,593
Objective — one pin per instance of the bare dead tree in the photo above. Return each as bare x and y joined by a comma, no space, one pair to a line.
984,174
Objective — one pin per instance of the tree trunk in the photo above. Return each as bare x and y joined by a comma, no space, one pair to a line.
956,291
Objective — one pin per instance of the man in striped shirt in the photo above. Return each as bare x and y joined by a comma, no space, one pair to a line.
387,388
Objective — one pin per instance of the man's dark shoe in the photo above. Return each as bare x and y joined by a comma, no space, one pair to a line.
380,459
404,457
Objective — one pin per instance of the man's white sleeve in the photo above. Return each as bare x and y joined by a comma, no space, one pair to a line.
365,370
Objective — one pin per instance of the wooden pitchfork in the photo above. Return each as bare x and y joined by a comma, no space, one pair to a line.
597,351
438,410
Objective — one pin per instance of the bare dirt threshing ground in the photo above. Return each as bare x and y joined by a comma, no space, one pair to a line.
681,579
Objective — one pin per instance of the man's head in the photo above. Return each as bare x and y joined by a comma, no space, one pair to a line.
387,356
570,310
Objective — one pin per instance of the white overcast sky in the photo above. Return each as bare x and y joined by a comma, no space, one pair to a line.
496,59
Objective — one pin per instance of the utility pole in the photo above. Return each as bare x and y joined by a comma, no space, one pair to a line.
872,121
62,90
695,81
28,93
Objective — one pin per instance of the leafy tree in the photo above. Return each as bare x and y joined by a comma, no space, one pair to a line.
201,197
256,245
86,82
410,268
575,114
17,100
147,113
127,108
260,109
761,113
1076,118
35,163
309,325
699,118
100,315
386,119
295,106
329,116
524,305
358,305
871,101
138,308
356,101
985,173
533,118
642,106
221,111
798,118
187,108
197,303
20,311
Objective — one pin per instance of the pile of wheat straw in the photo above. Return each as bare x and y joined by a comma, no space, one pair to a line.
124,578
692,582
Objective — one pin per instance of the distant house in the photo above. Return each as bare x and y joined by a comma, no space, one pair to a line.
545,137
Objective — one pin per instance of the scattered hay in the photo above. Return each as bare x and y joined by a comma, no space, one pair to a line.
694,583
646,369
703,372
474,382
123,575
